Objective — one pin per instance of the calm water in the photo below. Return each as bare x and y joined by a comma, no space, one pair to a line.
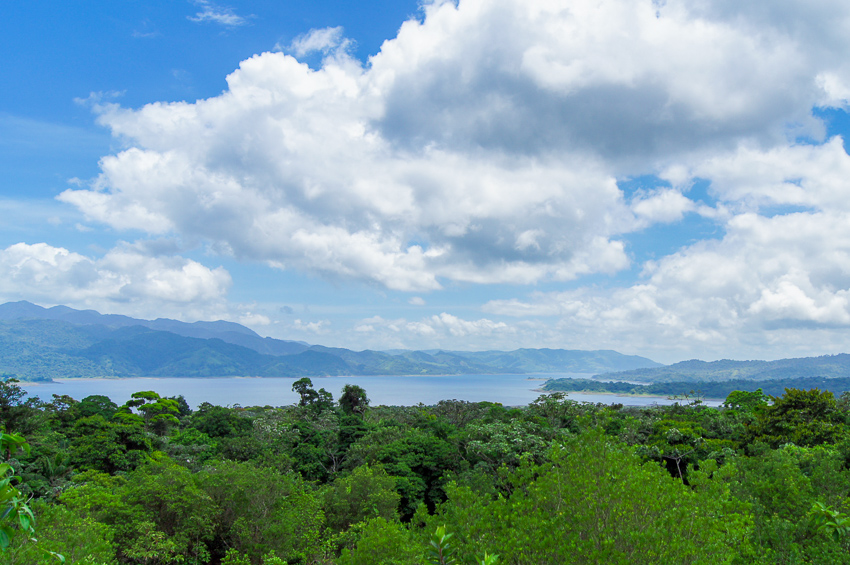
510,390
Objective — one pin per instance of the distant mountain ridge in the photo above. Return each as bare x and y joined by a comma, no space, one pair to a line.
229,332
694,370
39,343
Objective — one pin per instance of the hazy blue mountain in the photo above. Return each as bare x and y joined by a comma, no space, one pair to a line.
560,360
44,343
40,349
827,366
229,332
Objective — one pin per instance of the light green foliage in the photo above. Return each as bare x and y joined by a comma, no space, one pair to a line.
190,448
383,542
504,443
592,502
233,557
170,514
802,417
487,559
557,482
15,513
152,546
80,539
95,493
783,486
441,550
260,510
16,516
831,522
109,446
157,512
745,400
366,493
158,414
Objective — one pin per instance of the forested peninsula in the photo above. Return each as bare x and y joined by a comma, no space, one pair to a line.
697,389
335,480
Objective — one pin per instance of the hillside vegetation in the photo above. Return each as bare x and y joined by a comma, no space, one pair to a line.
340,482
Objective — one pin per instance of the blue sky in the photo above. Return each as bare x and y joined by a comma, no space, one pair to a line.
667,179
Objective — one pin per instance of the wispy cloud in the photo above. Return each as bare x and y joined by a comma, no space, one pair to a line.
326,40
222,15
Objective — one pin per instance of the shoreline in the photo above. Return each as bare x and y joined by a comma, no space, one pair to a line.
608,393
530,377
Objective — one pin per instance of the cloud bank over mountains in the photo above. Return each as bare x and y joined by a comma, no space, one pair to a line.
489,143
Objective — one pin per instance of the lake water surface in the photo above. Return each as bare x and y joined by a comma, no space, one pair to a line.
510,390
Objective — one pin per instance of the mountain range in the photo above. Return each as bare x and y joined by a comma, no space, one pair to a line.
826,366
38,343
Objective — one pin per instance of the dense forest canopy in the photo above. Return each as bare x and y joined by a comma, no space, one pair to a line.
763,479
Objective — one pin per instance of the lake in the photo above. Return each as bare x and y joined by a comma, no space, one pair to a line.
510,390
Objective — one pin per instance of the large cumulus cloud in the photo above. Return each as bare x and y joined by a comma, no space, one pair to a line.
482,144
485,144
127,278
777,283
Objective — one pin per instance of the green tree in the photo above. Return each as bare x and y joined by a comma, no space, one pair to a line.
367,492
78,537
744,400
159,414
259,510
16,516
353,399
594,501
316,400
109,446
17,413
219,421
383,542
97,404
803,417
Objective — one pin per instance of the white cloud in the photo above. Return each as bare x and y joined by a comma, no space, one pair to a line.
756,291
442,331
661,206
483,145
458,327
222,15
317,328
123,280
309,185
253,319
326,40
801,175
416,301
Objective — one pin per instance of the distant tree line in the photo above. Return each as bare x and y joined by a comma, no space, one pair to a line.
705,389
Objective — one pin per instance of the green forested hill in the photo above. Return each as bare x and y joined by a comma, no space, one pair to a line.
558,360
827,366
47,348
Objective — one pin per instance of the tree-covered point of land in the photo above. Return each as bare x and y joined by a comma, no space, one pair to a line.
761,480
